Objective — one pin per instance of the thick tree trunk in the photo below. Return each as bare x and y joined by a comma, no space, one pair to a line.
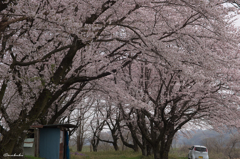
18,147
81,146
94,148
156,151
149,150
115,141
12,144
94,144
157,155
144,150
13,139
161,151
7,145
79,143
164,155
144,147
115,145
135,145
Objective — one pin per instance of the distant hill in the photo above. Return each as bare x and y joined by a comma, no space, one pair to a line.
197,136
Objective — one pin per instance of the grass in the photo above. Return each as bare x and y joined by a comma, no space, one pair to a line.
106,155
85,154
114,155
109,155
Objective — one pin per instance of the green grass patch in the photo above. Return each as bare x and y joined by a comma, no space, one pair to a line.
114,155
106,155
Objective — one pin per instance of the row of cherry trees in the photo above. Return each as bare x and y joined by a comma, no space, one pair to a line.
161,65
156,104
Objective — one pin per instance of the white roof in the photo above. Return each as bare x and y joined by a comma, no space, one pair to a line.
199,146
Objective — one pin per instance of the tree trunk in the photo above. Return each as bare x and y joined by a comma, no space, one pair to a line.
161,152
144,150
135,145
18,147
12,144
94,148
149,150
80,138
79,144
80,141
157,155
115,145
7,145
164,155
94,144
144,146
115,141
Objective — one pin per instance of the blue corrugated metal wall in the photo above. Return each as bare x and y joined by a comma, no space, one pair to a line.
49,139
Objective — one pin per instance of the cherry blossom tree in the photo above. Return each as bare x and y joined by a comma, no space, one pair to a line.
162,102
52,49
49,48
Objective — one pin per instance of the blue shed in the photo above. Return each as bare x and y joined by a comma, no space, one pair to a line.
52,141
